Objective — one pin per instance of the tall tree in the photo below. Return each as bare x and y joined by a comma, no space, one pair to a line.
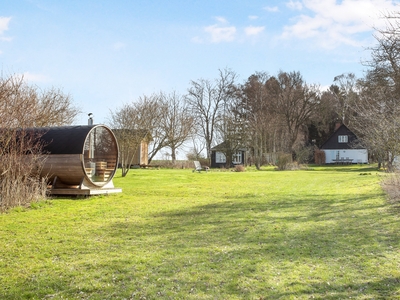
295,102
206,99
324,119
177,122
231,129
133,122
378,122
378,110
261,124
344,91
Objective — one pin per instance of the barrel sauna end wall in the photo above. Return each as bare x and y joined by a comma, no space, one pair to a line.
81,160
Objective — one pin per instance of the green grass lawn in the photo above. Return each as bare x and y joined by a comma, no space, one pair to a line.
323,233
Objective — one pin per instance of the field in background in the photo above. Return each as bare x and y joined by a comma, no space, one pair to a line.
324,233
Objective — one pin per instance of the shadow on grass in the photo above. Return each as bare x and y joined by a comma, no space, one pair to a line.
331,168
242,246
232,241
377,288
345,168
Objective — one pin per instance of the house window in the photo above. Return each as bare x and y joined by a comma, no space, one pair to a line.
220,158
343,139
237,157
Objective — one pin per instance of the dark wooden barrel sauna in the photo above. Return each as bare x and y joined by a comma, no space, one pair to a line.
79,155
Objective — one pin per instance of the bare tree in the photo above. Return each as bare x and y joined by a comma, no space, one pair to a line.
231,129
295,101
261,124
206,99
54,109
377,119
378,122
323,119
378,110
344,91
198,146
132,123
21,157
384,65
23,105
177,122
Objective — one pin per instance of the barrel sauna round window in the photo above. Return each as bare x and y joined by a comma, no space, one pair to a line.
100,155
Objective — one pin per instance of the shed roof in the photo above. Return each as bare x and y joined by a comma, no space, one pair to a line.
224,146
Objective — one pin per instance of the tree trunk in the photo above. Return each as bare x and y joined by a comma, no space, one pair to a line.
173,155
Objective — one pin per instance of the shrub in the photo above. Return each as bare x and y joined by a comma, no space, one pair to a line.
240,168
304,155
283,161
179,164
20,164
21,191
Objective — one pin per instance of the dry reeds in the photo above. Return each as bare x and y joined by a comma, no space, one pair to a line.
20,164
240,168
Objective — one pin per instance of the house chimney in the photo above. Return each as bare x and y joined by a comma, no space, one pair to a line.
337,125
90,120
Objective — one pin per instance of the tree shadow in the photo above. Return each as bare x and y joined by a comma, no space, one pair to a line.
355,168
279,233
242,238
346,168
383,288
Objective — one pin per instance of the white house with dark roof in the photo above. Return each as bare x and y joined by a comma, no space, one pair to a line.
343,147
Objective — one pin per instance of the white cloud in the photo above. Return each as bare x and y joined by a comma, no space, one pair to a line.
254,30
294,5
4,21
271,8
221,20
331,24
4,24
31,77
221,34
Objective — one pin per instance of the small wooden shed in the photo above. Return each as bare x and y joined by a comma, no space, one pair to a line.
80,159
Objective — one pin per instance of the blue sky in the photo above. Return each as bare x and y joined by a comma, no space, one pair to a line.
106,53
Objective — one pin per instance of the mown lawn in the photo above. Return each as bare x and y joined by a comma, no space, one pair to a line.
324,233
